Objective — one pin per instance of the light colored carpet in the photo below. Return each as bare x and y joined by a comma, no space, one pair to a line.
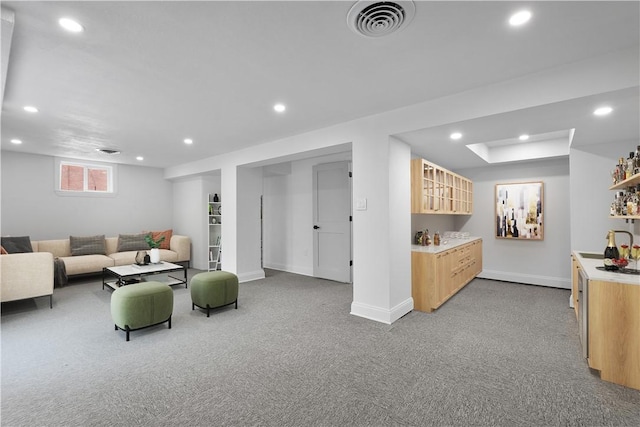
497,354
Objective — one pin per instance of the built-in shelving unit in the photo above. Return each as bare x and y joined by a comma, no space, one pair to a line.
436,190
215,232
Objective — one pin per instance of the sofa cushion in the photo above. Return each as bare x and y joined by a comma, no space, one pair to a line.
16,245
129,257
86,264
132,242
155,235
59,247
89,245
123,258
168,255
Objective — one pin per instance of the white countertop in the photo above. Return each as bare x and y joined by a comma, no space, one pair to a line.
589,266
444,246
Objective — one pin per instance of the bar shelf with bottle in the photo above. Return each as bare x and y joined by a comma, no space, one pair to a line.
626,183
626,204
629,182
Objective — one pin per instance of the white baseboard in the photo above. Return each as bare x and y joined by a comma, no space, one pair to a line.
382,315
529,279
401,309
290,269
252,275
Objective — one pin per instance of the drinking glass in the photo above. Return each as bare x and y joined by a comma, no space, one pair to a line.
624,252
635,254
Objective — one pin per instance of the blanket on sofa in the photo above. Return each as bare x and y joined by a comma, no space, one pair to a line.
59,273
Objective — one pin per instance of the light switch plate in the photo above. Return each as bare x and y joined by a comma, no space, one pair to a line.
361,204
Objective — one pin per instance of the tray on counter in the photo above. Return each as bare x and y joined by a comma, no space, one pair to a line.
622,270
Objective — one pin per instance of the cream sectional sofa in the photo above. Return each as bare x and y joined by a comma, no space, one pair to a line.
179,251
27,275
31,275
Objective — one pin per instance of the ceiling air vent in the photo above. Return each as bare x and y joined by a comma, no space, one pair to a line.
380,18
108,151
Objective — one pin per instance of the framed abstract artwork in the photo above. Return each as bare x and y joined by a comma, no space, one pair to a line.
519,211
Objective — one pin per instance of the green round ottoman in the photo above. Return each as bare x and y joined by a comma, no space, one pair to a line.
214,289
141,305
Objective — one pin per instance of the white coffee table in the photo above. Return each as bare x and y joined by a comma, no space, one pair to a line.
133,273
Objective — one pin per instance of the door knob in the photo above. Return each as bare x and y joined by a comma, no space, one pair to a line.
315,227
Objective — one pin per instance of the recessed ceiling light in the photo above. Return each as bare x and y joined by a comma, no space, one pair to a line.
16,141
139,158
519,18
188,141
30,109
279,108
71,25
455,136
523,137
603,111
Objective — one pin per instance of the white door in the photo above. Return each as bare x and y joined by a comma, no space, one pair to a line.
332,221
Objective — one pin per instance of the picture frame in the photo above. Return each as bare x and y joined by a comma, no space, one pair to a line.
519,211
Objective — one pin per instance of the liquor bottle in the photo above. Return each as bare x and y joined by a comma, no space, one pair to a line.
636,169
631,164
436,238
618,202
622,166
611,252
426,239
632,201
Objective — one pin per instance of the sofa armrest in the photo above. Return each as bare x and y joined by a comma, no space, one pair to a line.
26,275
182,246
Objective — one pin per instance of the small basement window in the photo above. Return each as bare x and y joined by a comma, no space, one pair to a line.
79,178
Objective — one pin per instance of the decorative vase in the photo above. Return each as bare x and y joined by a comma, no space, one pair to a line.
140,257
154,254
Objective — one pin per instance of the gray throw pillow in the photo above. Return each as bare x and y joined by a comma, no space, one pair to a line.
89,245
16,245
132,242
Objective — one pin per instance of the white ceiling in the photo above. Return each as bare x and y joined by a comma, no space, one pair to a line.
145,75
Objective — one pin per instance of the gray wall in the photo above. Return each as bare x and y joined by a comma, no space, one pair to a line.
30,206
545,262
591,197
576,210
191,214
433,223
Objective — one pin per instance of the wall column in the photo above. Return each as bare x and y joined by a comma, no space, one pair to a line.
381,181
229,201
